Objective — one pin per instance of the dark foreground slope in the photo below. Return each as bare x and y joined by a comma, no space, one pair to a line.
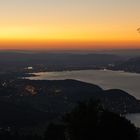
27,103
58,96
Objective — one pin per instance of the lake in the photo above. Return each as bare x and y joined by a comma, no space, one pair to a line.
129,82
134,118
107,79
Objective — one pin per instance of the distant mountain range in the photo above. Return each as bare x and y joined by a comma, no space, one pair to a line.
43,61
17,61
131,65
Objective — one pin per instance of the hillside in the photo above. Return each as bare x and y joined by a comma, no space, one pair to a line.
17,61
131,65
60,95
27,103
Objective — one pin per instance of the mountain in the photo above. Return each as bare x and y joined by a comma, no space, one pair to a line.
131,65
55,61
59,96
27,103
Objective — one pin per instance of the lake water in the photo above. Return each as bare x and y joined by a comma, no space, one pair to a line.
107,79
130,82
134,118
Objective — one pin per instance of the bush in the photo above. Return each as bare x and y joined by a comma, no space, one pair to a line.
89,121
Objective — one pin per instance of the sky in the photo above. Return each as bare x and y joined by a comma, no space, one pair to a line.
69,24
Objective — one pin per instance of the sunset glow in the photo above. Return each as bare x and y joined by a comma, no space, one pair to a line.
72,24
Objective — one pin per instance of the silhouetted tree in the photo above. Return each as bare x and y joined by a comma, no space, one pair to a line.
55,132
90,121
112,126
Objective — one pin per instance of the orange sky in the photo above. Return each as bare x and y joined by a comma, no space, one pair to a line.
71,24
